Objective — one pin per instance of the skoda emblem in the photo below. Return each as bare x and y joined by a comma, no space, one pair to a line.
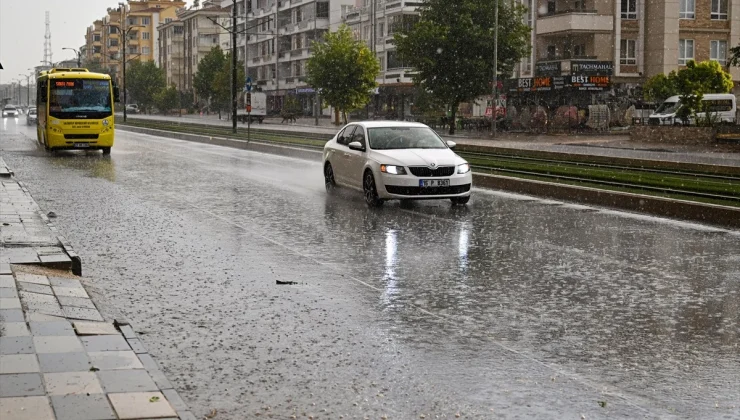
433,165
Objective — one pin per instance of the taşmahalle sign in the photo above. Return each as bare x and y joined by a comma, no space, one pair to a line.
592,67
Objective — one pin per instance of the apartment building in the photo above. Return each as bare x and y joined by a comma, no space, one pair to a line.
587,49
139,19
203,29
172,53
376,22
275,39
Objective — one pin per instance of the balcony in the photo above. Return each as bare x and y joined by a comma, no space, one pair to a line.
574,21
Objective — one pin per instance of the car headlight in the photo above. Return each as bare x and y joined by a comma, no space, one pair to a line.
393,170
464,168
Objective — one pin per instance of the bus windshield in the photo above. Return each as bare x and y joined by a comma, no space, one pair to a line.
79,98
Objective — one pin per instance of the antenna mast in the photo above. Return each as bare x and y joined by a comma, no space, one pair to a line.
47,41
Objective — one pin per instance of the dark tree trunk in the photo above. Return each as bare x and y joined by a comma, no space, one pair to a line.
453,115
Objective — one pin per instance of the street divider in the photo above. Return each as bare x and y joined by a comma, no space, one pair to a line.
703,212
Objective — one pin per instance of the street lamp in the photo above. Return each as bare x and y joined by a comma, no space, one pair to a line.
77,53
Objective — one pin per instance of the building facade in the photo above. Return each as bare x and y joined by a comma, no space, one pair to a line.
376,22
172,53
274,43
203,29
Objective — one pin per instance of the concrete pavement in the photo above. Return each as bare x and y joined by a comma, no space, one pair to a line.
59,358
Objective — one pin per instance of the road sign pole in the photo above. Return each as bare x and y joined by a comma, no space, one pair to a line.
249,108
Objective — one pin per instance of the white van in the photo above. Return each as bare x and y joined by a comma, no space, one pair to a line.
723,105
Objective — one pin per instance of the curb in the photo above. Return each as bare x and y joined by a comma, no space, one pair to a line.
152,368
710,214
76,261
255,146
722,216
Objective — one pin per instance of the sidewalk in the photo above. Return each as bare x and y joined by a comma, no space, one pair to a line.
59,358
618,145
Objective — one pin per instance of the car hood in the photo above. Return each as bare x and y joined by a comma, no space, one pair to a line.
418,157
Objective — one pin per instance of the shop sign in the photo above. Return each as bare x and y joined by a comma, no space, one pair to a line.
304,90
586,82
592,67
535,84
548,69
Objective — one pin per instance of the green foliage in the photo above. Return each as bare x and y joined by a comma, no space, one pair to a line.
221,83
659,88
691,84
344,70
144,80
208,68
734,59
452,47
167,99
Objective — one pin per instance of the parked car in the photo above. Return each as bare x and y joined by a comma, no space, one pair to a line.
32,117
389,160
722,106
10,111
132,109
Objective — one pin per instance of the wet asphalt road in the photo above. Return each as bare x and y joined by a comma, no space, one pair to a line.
513,307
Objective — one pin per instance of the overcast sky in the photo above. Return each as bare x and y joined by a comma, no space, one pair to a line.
22,30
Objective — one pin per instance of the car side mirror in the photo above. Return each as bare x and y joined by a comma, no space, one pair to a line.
451,144
356,145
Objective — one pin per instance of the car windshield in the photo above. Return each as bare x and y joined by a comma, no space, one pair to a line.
385,138
32,111
10,107
668,107
79,95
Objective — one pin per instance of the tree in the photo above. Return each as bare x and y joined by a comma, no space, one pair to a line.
167,99
221,84
208,67
343,70
452,47
691,84
658,88
144,80
734,59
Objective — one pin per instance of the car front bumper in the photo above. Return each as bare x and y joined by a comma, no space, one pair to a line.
407,187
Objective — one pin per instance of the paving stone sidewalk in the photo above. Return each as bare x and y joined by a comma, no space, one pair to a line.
59,358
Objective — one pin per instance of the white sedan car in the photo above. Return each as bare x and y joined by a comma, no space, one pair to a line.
389,160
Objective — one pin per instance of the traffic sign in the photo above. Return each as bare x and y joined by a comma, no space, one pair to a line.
248,84
249,108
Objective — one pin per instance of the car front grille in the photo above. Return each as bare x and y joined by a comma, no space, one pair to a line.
81,136
424,171
455,189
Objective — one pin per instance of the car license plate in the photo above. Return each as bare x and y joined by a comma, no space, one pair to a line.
82,144
434,182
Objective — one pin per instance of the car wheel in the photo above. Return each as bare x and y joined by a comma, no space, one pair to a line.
106,150
329,181
371,193
460,201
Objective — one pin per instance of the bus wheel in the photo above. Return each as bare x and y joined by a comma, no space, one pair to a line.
106,150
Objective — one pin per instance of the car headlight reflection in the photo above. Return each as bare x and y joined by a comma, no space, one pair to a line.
464,168
393,170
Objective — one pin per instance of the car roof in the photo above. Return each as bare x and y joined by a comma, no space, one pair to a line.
389,123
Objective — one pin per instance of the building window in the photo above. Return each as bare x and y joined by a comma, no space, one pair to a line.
551,51
112,29
381,30
629,9
719,9
579,50
96,38
145,21
177,30
167,20
628,52
145,50
133,21
298,15
685,51
96,49
381,61
145,35
718,51
687,9
133,49
112,42
322,9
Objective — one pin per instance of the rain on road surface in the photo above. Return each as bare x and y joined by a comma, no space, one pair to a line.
513,307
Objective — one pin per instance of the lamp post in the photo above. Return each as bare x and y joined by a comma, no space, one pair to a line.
77,53
495,71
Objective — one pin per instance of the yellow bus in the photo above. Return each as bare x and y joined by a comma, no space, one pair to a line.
75,109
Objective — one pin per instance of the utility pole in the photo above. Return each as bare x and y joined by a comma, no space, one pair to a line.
77,53
124,32
233,68
277,55
495,70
